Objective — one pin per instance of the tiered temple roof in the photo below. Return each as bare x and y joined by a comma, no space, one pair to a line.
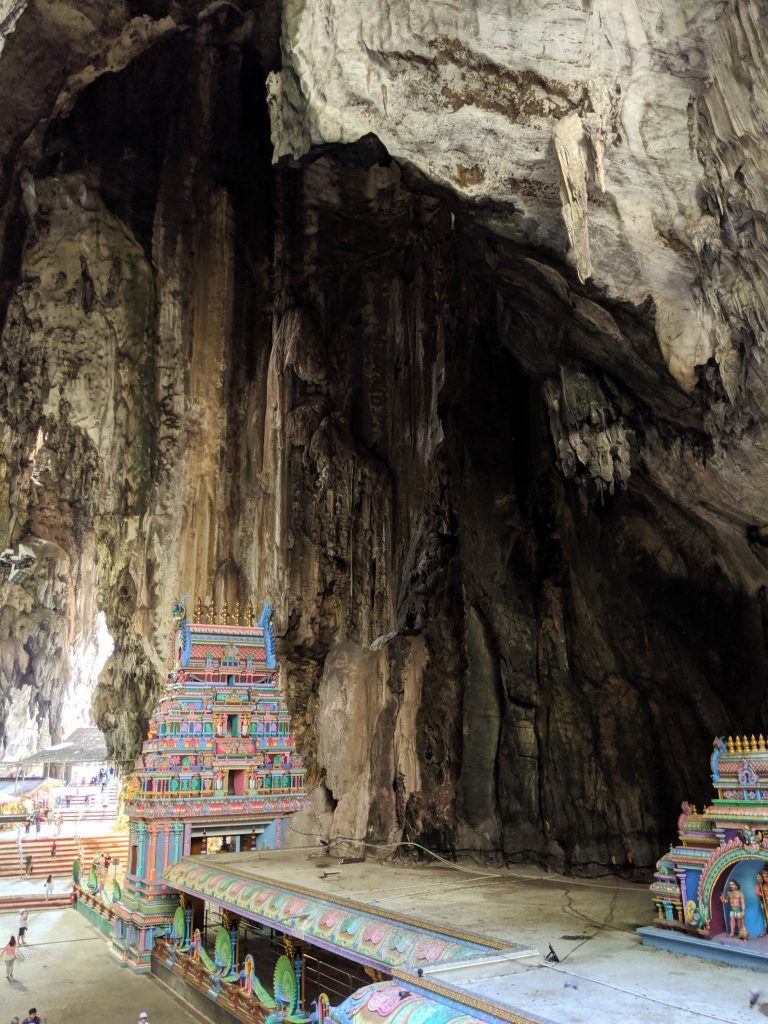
722,852
219,740
219,763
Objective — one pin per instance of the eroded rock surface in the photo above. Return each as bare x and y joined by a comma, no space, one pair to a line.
469,382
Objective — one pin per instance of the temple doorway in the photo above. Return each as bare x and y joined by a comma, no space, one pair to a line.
744,873
236,782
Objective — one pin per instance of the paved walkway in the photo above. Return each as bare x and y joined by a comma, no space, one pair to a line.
35,886
85,827
67,973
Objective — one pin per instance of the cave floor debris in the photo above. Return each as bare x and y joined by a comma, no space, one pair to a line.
603,973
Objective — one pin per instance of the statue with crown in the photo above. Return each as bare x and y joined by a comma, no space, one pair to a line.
711,890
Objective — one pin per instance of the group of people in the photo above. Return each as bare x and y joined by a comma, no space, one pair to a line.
55,820
10,952
48,885
31,1018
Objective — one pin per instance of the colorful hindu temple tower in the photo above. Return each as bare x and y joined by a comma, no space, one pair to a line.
217,770
711,890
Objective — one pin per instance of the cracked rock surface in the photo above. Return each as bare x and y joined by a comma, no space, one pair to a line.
444,327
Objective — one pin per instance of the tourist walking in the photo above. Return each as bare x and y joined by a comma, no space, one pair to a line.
28,865
32,1017
53,850
23,917
9,955
27,826
143,1018
37,825
49,886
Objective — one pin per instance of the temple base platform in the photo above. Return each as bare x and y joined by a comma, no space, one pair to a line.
753,953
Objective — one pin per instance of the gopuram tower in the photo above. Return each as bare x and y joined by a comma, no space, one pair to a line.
218,766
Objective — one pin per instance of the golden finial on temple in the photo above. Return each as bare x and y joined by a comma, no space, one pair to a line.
199,610
761,742
250,613
730,745
211,613
752,742
238,615
225,614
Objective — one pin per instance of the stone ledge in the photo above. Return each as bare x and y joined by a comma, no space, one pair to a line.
705,949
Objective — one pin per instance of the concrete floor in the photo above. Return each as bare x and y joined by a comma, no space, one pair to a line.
69,976
604,974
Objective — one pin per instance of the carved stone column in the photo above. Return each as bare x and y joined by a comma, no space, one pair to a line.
152,851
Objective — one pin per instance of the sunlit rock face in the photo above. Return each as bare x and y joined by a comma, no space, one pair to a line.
469,382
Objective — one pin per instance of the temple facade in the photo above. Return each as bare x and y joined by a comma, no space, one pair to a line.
711,889
218,767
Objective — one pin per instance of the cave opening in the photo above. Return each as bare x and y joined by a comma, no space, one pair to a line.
331,378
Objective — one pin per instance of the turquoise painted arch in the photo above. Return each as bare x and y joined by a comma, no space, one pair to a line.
739,864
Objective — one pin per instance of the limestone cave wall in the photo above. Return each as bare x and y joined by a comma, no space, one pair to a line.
432,342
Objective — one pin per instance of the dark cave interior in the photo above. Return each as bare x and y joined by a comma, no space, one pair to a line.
585,644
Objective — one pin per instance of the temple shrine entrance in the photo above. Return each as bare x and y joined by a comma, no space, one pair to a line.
236,782
744,874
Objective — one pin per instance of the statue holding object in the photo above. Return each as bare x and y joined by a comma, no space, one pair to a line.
735,899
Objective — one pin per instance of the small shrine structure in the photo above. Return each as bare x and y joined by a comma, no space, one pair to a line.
711,890
217,770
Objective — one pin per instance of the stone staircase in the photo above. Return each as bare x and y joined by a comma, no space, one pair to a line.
68,849
94,809
37,901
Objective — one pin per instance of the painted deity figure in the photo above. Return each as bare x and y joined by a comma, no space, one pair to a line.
246,975
735,899
761,891
751,840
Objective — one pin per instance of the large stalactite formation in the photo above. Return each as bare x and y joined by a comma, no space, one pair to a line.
444,326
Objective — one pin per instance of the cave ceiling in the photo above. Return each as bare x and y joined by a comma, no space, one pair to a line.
441,325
